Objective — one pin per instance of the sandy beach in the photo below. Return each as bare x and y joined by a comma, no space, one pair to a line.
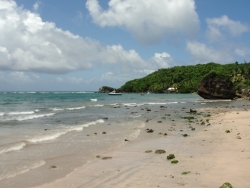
216,152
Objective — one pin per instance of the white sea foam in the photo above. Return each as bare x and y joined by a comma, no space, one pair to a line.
56,109
21,113
94,100
21,170
80,127
73,108
15,147
98,105
136,116
129,104
172,103
1,114
76,108
47,137
53,136
211,101
153,103
29,117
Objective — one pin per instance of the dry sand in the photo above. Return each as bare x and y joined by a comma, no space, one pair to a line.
210,155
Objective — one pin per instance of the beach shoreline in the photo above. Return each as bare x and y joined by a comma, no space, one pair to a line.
215,153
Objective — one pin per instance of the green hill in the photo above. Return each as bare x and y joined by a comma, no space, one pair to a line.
185,79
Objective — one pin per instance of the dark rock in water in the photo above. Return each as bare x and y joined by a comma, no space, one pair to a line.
193,111
103,132
160,151
215,86
126,140
149,130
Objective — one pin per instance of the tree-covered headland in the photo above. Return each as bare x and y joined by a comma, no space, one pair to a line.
185,79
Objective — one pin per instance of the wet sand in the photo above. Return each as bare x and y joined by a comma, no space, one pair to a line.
217,151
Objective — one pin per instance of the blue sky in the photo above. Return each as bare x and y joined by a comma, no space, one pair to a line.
82,45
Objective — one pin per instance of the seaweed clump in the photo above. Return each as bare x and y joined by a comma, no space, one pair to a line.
226,185
170,156
174,161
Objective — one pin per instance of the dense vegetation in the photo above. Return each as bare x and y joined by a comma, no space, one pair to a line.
106,89
185,79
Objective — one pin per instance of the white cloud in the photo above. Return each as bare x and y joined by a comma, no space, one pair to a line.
164,60
148,21
203,54
118,78
38,46
18,77
144,71
36,6
75,80
243,52
219,27
59,79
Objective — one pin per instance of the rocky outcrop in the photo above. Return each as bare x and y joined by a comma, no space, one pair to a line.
214,86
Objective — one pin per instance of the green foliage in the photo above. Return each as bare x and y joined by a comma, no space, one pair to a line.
106,89
185,79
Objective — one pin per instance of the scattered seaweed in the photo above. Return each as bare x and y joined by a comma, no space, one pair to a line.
170,156
160,151
174,161
106,158
226,185
185,173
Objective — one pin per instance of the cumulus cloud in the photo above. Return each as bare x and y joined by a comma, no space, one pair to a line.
39,46
220,27
148,21
119,78
164,60
18,77
204,54
243,52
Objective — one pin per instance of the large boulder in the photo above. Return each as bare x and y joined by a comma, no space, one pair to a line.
215,86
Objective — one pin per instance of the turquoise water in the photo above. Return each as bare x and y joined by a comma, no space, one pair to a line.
41,130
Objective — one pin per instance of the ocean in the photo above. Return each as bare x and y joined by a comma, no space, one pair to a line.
49,134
